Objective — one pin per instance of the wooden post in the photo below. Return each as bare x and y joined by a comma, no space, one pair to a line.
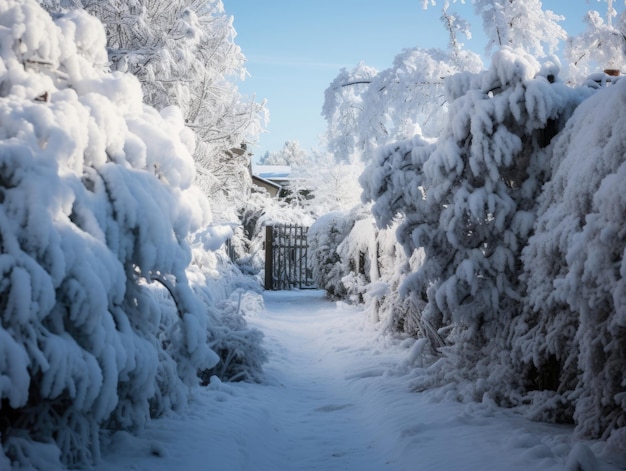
290,273
306,257
269,258
299,256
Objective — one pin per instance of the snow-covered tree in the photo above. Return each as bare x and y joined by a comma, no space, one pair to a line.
522,24
318,183
602,46
343,104
227,181
100,326
572,336
366,109
333,185
408,98
468,201
290,154
454,24
184,53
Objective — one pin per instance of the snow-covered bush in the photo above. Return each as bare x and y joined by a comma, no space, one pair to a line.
354,260
184,53
359,253
229,296
572,336
383,300
324,237
520,290
97,206
468,202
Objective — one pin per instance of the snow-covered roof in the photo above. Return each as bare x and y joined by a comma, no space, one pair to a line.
272,172
256,178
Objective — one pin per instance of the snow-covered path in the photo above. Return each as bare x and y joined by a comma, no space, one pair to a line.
332,402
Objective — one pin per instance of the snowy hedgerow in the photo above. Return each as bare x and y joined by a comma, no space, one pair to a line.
468,201
96,205
377,265
359,253
573,334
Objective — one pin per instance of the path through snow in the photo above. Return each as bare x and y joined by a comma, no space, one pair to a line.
332,402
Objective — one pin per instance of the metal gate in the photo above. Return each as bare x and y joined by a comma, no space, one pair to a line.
286,252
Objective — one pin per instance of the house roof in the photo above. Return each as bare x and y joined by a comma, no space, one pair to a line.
272,172
257,179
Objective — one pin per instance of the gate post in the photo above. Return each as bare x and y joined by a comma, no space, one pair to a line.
269,259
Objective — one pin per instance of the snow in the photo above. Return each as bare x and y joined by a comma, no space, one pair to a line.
97,202
272,172
334,398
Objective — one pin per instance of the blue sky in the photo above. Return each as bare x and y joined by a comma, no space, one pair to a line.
295,48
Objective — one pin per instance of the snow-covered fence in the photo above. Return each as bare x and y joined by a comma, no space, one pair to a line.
286,257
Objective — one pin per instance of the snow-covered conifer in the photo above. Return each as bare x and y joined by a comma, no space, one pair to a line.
572,336
468,201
